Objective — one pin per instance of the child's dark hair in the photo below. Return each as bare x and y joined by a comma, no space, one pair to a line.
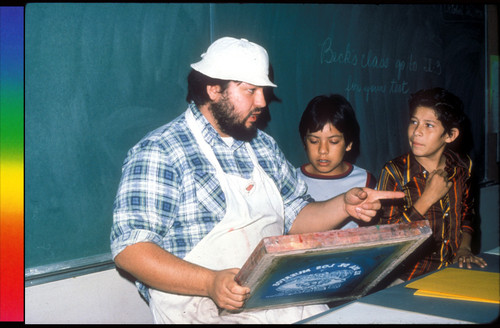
334,109
449,108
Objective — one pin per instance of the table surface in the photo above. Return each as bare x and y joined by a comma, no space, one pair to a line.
399,299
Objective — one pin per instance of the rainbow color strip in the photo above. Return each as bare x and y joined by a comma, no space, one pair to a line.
11,163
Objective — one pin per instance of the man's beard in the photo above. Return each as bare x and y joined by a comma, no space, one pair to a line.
231,125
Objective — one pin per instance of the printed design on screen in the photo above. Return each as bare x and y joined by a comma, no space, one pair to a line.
316,279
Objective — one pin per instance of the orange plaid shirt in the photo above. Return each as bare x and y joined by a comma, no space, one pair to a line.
448,218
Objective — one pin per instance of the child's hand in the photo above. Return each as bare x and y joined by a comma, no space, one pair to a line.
465,256
437,186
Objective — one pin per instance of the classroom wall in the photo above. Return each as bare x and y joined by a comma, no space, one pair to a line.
489,210
101,297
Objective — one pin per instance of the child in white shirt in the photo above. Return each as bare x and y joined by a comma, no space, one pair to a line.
330,133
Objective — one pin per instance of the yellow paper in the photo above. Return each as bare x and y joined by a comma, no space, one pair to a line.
463,284
453,297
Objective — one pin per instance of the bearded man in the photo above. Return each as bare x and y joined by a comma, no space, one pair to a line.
199,193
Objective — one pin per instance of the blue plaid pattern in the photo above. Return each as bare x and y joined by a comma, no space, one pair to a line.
168,193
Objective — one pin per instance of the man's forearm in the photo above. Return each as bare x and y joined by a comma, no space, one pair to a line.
320,216
161,270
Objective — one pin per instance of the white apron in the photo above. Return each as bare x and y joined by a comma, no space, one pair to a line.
250,216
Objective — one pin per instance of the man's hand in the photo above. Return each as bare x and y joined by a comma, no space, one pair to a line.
226,292
363,203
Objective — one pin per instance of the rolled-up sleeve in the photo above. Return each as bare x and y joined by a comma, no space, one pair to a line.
146,200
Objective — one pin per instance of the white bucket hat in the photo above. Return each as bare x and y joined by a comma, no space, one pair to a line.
236,60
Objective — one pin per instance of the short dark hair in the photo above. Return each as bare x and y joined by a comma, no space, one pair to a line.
334,109
449,108
197,87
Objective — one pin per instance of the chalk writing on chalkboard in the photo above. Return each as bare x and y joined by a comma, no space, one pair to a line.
462,13
346,55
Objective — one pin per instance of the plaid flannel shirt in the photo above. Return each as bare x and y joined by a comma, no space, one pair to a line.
169,195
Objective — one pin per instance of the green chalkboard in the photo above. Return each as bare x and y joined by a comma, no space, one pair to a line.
374,55
100,76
